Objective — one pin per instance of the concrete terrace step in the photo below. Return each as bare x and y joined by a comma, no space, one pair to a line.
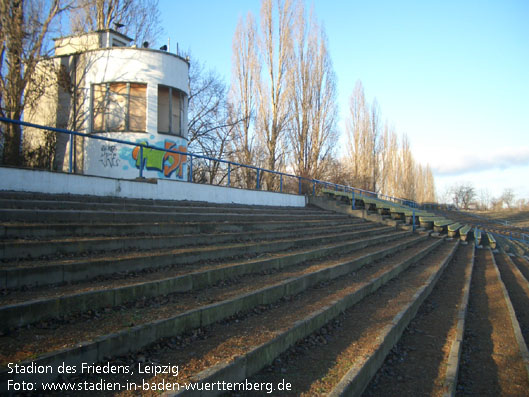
437,327
516,291
34,216
176,207
223,291
306,314
493,361
131,339
256,357
354,340
53,230
75,246
42,273
28,307
356,379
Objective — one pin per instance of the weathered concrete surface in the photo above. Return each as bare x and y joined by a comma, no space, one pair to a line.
250,363
141,335
21,314
342,208
356,379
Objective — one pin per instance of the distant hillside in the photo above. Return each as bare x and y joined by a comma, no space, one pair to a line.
514,217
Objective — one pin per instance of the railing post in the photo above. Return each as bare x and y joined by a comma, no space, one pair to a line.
141,161
229,169
413,220
190,177
257,184
281,183
71,154
353,204
314,188
299,178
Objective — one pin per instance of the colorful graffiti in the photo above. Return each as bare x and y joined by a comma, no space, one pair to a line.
160,160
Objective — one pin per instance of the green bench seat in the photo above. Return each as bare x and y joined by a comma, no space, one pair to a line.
492,240
465,232
453,229
443,222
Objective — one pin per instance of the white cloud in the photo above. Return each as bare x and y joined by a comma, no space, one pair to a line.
458,163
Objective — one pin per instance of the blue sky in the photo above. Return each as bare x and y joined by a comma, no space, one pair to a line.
452,75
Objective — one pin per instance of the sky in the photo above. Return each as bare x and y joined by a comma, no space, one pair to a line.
451,75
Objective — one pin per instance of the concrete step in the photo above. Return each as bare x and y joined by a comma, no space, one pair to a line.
221,290
403,273
132,338
19,274
26,249
493,360
176,207
10,231
99,216
26,307
433,339
348,347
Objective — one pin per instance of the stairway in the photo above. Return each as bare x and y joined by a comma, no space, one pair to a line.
217,293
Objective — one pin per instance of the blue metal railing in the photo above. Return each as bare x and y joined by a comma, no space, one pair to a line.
509,237
259,171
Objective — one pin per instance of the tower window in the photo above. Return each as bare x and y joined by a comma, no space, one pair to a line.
119,107
170,110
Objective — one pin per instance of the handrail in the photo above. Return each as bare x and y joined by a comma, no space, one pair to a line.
509,237
259,170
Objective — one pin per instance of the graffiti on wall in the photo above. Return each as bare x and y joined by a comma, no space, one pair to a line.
159,160
165,164
117,160
109,156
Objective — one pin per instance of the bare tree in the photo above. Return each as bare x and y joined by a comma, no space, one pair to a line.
246,72
408,171
312,131
429,185
496,203
424,186
508,198
362,140
284,90
284,87
484,199
463,194
276,52
522,204
375,145
139,19
377,161
24,28
209,125
389,162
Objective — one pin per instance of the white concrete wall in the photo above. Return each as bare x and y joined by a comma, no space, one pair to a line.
14,179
